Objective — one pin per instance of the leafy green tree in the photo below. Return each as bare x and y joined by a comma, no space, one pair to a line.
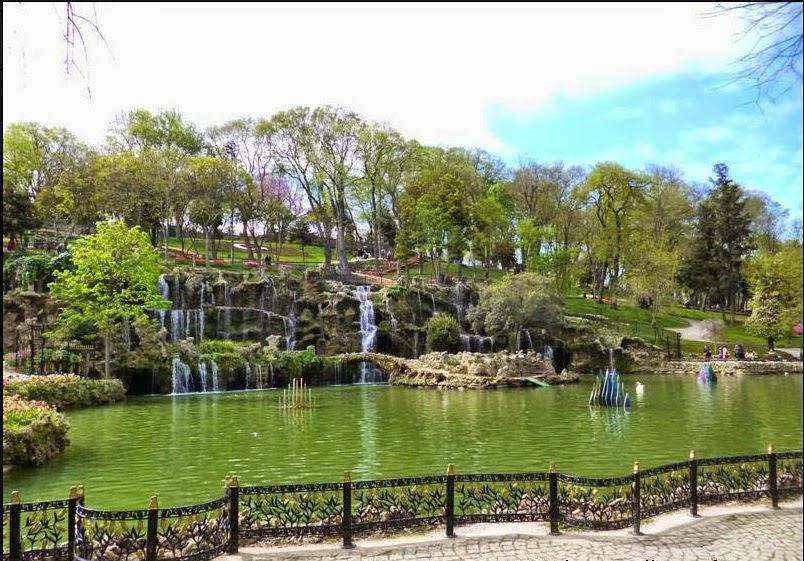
208,179
613,194
515,303
168,140
114,278
776,303
443,333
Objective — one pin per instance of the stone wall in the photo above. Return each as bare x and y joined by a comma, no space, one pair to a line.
735,367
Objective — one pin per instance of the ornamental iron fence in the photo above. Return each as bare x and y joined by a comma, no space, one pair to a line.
68,530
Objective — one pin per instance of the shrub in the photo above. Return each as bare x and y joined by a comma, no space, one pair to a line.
33,432
65,391
443,333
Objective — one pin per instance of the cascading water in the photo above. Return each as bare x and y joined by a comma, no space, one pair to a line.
164,289
459,301
202,375
181,374
248,375
368,331
214,367
290,325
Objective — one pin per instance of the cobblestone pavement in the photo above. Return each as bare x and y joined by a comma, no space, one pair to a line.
761,535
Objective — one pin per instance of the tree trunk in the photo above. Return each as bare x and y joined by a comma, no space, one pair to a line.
206,247
107,355
376,218
343,263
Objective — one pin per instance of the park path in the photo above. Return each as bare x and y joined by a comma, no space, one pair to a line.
722,533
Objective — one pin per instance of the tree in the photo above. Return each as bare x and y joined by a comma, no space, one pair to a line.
514,304
207,181
776,302
334,134
383,154
168,139
114,278
290,135
613,193
733,227
240,141
774,32
663,223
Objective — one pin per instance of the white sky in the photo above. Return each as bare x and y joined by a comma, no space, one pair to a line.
432,71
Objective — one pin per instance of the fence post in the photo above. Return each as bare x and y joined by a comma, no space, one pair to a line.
72,501
636,499
449,507
774,482
553,478
153,527
15,546
693,484
233,492
346,515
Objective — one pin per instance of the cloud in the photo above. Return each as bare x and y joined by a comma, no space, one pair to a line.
433,71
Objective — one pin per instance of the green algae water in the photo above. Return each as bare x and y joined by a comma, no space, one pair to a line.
181,447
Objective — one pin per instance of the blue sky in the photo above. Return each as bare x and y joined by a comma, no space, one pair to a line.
631,82
688,121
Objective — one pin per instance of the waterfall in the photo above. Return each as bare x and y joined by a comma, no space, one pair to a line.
290,325
248,375
202,374
227,311
181,376
199,315
273,377
177,321
368,329
164,289
459,301
214,367
611,359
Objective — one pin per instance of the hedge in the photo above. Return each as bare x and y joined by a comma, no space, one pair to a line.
33,431
66,391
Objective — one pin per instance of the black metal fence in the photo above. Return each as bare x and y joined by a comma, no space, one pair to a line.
69,530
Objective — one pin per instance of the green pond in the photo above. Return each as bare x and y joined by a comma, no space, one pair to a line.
181,447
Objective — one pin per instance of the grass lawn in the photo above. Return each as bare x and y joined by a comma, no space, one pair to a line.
291,252
636,321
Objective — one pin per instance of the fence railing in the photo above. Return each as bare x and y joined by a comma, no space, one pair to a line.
69,530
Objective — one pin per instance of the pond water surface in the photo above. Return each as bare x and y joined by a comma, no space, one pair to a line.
181,447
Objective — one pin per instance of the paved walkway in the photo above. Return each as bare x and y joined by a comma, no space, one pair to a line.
742,533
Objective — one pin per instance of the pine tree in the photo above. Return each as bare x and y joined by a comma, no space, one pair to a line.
713,269
733,230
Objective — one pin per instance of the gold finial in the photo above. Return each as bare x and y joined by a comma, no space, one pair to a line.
770,448
552,467
233,481
450,469
80,490
73,492
15,497
347,478
692,454
636,466
153,504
